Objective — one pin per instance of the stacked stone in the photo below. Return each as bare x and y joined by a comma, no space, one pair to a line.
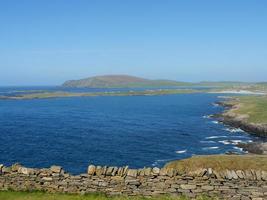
227,184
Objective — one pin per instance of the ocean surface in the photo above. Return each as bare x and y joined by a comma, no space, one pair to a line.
131,130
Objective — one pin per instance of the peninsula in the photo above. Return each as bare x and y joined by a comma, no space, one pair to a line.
248,113
61,94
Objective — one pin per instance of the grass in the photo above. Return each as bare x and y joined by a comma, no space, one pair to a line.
259,86
10,195
253,106
220,162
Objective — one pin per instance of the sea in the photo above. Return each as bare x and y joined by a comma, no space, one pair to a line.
134,131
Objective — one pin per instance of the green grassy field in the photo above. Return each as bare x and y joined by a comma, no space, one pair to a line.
10,195
253,106
220,162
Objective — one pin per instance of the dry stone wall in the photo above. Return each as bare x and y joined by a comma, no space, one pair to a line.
228,184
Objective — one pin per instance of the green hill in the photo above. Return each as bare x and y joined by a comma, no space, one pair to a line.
120,81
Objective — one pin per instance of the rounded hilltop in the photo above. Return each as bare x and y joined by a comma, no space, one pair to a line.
119,81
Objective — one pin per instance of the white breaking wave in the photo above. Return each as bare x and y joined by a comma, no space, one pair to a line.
215,137
225,142
239,136
207,141
215,122
238,148
182,151
234,130
210,148
235,142
206,116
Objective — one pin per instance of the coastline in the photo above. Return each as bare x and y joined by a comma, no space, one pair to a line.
246,92
149,92
60,94
231,117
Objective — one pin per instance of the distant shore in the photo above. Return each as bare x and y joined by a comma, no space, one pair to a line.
60,94
248,92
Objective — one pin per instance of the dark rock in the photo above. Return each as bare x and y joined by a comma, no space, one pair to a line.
254,147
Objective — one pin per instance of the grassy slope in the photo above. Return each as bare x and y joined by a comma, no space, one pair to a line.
254,106
45,196
220,162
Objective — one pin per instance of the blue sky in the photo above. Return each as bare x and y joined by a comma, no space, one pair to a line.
48,42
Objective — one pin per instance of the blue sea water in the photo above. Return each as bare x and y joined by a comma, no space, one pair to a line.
132,130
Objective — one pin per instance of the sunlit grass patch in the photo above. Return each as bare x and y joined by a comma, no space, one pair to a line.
11,195
255,107
220,162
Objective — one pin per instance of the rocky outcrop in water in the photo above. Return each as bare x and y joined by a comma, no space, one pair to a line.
254,147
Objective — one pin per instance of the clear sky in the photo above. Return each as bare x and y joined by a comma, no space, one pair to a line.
45,42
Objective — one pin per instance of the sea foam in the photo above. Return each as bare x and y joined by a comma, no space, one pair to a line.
216,137
215,122
210,148
234,130
181,151
224,142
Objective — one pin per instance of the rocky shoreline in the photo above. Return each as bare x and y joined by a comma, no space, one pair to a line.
239,121
254,147
228,117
